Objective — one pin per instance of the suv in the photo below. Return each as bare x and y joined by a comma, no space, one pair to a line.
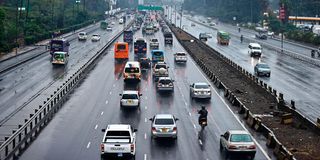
255,50
237,142
180,57
154,43
130,98
82,36
165,84
119,140
160,69
164,125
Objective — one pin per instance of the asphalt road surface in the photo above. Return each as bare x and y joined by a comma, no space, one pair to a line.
21,84
75,132
299,81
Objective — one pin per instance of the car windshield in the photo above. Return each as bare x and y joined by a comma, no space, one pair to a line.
180,54
201,86
165,81
140,42
154,40
240,138
162,121
131,70
256,48
157,53
263,66
129,96
161,66
121,47
82,34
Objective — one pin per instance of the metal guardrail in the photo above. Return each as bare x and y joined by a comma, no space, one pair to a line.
26,133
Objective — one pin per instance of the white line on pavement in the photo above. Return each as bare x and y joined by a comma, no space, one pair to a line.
101,113
88,145
96,126
110,93
145,156
145,107
107,101
145,120
145,135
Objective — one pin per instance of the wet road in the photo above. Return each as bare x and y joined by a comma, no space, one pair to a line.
75,132
299,81
21,84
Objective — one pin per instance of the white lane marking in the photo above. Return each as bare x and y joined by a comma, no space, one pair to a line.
200,142
113,85
189,113
186,103
107,101
145,120
146,97
101,113
262,150
145,156
88,145
194,126
110,92
145,107
145,135
96,127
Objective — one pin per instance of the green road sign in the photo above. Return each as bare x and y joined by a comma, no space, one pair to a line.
150,8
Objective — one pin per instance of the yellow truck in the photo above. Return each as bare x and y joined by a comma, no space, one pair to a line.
223,38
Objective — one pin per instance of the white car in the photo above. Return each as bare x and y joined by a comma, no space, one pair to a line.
130,99
113,23
237,142
109,28
160,69
200,90
165,84
180,57
255,50
82,36
119,141
164,125
154,43
95,38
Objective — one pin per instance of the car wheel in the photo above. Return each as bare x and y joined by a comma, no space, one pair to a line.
221,147
268,75
133,157
227,155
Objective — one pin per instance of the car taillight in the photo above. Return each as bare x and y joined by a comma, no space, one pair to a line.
135,49
132,147
174,129
102,147
252,147
232,147
144,49
153,129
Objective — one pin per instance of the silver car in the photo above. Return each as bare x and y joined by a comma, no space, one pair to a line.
164,125
200,90
237,142
262,69
180,57
165,84
130,99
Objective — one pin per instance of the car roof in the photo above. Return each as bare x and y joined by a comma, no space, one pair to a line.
157,50
130,92
238,132
164,78
163,116
255,44
132,64
118,127
181,52
82,32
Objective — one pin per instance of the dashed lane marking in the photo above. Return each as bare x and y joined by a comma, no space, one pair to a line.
96,127
88,145
110,93
145,135
107,101
101,113
145,120
145,156
145,107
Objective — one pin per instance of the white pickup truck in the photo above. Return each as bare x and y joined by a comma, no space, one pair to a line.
119,140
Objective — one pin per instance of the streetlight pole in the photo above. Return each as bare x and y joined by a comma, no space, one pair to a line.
175,15
181,15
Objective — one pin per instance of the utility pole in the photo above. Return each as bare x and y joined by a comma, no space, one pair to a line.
181,15
17,12
175,15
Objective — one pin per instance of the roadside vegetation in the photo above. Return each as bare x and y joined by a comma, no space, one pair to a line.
30,21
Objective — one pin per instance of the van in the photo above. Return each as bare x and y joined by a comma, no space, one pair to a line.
255,50
121,50
132,71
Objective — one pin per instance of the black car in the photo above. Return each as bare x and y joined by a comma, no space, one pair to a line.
145,63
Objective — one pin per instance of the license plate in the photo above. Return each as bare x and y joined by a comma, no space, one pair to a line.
129,101
164,130
242,147
120,155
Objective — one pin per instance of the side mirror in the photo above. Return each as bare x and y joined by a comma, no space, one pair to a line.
176,119
135,130
140,94
151,119
103,130
190,85
172,80
209,85
120,94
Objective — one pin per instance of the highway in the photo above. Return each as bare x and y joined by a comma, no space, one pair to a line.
21,84
297,80
75,132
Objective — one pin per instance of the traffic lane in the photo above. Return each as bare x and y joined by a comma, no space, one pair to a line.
287,46
20,85
294,73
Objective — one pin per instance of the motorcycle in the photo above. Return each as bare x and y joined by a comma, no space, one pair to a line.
203,123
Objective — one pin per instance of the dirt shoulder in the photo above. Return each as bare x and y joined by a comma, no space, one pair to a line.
299,140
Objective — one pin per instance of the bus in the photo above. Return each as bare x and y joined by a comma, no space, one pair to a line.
61,45
223,38
103,25
121,50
